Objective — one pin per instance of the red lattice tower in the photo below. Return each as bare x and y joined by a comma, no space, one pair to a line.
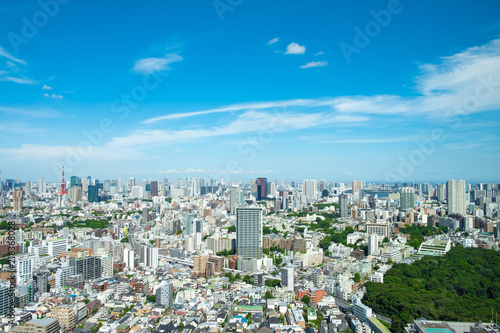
63,183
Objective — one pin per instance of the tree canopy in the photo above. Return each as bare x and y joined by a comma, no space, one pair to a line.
463,285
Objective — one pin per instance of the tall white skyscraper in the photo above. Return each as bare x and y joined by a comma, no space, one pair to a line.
128,258
357,187
287,277
249,232
42,186
310,188
150,256
456,197
372,244
235,198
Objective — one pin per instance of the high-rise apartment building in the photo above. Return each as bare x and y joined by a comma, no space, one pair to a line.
456,197
310,189
129,258
441,192
89,267
249,232
343,205
287,277
407,198
17,199
165,295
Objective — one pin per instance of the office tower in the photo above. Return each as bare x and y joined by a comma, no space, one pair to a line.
24,268
42,186
310,189
188,224
44,325
93,193
407,198
165,295
249,232
107,266
498,230
154,188
287,278
136,192
89,267
343,205
149,256
381,229
357,187
261,188
6,298
74,181
62,275
128,258
235,198
456,197
17,199
372,244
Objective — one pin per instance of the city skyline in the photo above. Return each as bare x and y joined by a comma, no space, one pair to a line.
196,90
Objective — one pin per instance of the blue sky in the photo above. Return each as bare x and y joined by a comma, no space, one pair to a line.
379,91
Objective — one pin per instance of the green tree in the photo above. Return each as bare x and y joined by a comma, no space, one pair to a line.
306,299
231,229
357,277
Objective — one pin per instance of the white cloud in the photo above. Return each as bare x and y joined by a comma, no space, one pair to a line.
151,65
7,55
46,87
32,112
53,96
294,48
272,41
319,53
13,72
315,64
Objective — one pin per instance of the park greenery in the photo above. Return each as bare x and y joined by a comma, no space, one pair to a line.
418,233
333,236
94,224
462,285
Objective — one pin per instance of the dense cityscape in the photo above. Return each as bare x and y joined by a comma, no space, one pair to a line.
237,166
203,255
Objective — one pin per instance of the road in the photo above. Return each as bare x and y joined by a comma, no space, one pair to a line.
347,305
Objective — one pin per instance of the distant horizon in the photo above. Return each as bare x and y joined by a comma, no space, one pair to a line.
248,180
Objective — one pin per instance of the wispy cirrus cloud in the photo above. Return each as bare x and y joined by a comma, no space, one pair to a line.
272,41
151,65
14,69
312,64
35,112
